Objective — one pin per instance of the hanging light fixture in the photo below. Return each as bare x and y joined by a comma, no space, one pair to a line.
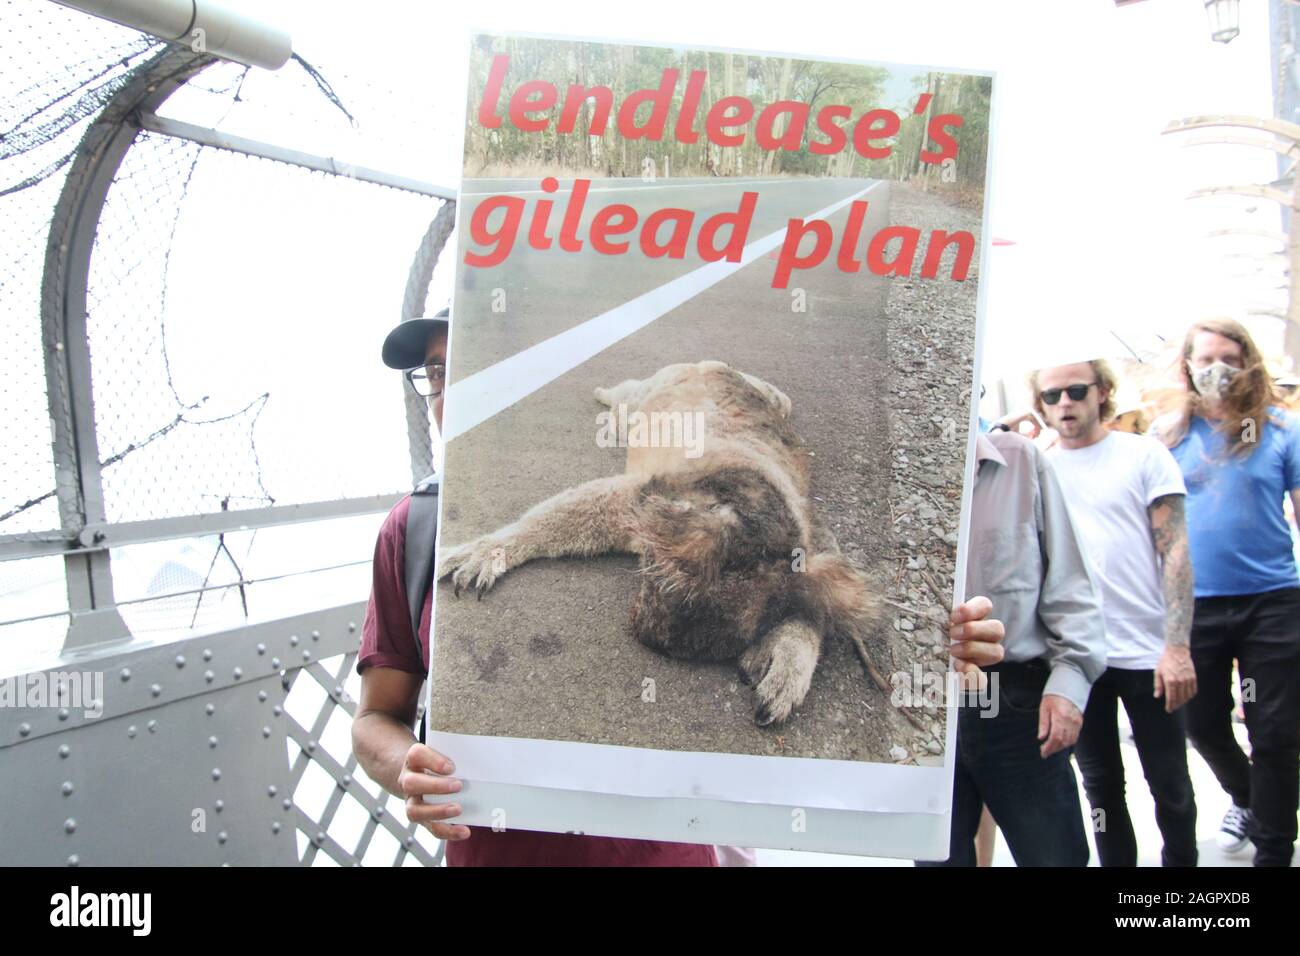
1223,19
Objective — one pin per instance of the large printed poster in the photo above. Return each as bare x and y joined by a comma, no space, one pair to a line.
707,441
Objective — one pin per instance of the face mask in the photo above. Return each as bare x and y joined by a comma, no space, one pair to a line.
1212,381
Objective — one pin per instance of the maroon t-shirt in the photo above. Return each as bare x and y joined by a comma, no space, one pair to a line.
387,641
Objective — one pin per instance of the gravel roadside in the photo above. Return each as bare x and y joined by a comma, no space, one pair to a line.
931,354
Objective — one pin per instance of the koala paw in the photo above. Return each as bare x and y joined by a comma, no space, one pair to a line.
780,667
476,564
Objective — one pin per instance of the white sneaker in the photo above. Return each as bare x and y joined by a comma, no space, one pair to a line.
1232,835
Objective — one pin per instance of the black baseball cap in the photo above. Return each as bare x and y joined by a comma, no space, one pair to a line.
405,346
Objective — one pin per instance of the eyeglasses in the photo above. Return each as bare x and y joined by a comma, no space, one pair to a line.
427,379
1051,396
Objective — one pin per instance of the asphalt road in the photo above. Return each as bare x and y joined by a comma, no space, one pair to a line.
547,653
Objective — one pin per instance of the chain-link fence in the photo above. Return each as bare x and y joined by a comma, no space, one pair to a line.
229,370
198,432
44,112
233,310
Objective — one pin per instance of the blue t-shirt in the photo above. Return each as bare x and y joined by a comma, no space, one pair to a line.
1239,537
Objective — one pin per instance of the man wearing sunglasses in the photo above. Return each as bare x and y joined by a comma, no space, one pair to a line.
1126,495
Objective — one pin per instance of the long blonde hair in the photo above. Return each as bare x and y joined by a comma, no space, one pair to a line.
1250,397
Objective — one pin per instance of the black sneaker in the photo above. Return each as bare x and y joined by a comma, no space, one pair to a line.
1232,836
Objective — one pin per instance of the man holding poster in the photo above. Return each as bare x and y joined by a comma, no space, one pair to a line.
393,662
682,447
1015,758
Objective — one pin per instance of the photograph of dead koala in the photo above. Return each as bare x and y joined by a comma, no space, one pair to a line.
704,494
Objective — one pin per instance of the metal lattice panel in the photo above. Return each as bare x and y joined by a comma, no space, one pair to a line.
321,829
187,760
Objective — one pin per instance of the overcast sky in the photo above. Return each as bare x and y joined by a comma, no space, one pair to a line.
1083,181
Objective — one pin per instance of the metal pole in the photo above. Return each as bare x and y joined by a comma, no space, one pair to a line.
253,147
203,26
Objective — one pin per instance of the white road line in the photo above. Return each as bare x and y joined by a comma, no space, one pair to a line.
477,398
662,184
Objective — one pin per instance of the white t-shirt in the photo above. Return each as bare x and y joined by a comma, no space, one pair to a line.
1108,487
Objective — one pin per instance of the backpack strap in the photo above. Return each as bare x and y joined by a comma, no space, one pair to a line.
421,533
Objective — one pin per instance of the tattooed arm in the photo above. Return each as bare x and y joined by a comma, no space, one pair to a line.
1175,678
1169,532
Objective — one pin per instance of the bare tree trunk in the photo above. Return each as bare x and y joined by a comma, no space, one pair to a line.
707,159
923,169
618,98
729,89
586,105
782,91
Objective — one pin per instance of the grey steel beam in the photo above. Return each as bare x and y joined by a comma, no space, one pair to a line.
191,782
38,545
69,385
116,535
210,710
97,537
140,676
204,136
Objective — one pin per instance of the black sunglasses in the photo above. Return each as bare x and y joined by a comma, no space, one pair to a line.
1051,396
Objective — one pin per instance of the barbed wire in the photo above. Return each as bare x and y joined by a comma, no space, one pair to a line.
176,437
242,583
42,125
61,113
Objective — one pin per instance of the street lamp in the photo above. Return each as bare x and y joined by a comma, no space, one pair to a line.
1223,19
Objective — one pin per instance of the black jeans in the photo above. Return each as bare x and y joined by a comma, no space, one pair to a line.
1034,801
1162,748
1262,631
